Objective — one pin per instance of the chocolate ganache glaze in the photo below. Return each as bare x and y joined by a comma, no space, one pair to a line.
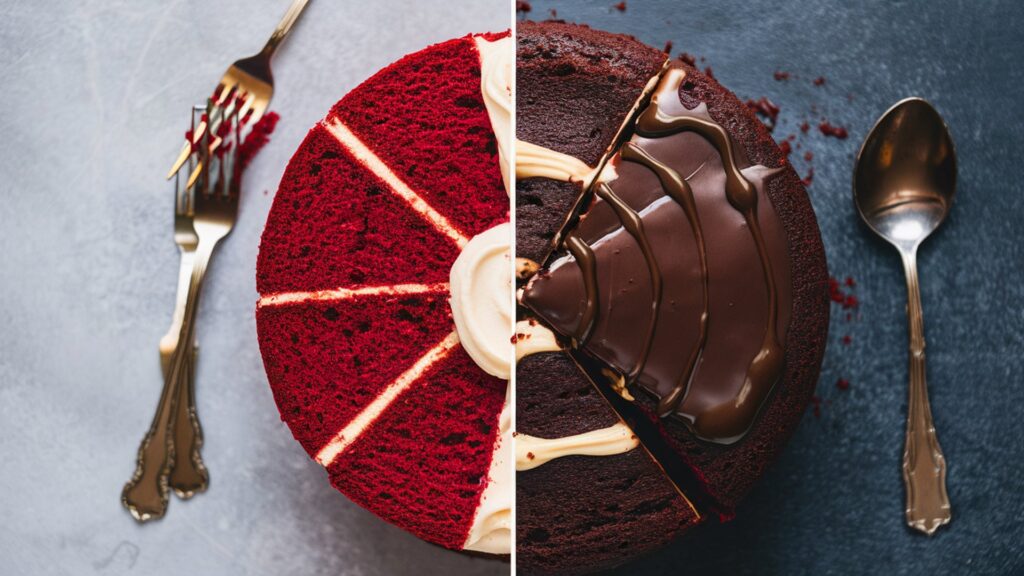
677,273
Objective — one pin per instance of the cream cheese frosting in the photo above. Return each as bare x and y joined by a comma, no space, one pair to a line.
497,59
532,338
481,299
491,531
533,161
531,451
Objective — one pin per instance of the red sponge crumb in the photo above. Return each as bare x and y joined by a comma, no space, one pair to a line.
423,464
334,224
327,360
420,115
257,138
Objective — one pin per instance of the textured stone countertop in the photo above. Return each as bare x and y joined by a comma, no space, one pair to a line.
833,504
96,98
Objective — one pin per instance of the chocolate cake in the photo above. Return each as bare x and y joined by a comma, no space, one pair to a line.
675,254
375,272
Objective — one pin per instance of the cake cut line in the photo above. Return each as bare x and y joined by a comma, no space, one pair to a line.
372,162
354,429
334,294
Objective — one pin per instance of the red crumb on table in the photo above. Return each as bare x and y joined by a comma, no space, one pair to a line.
808,156
809,179
829,129
553,12
834,292
785,148
523,7
668,47
819,81
766,109
621,6
805,127
847,340
257,138
781,76
688,58
843,384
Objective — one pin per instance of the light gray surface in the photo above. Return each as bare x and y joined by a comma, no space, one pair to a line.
95,101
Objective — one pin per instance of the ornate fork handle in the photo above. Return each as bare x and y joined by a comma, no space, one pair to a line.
924,466
189,475
146,494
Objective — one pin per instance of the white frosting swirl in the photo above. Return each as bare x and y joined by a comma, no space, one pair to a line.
496,84
481,299
491,531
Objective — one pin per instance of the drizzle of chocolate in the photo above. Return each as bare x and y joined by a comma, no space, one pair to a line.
766,367
588,265
697,403
633,224
679,190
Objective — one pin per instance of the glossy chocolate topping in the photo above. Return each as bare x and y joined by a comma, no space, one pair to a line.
677,274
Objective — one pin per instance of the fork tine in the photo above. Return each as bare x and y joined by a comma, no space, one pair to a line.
183,204
187,147
258,110
222,94
250,99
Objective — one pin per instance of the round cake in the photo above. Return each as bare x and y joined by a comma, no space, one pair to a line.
385,286
673,299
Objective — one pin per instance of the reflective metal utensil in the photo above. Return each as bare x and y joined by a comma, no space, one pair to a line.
903,187
214,209
247,85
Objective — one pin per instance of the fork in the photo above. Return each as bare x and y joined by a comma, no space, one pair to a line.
247,86
214,209
189,475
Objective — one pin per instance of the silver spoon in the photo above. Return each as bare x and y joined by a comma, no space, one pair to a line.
903,186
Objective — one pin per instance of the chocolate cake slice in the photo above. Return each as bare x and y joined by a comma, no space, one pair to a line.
607,500
690,270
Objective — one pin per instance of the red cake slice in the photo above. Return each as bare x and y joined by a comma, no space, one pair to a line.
355,323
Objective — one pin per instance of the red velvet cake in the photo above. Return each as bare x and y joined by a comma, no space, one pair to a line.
387,237
672,254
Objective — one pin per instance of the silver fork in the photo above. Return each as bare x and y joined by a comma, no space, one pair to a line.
245,88
189,475
215,207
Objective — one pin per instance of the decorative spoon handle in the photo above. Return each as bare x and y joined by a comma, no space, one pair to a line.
924,466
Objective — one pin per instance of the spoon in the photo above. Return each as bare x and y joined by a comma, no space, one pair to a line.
903,186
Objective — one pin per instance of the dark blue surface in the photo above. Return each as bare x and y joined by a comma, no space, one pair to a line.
833,503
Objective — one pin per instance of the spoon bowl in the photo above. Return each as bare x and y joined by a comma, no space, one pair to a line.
903,186
905,178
